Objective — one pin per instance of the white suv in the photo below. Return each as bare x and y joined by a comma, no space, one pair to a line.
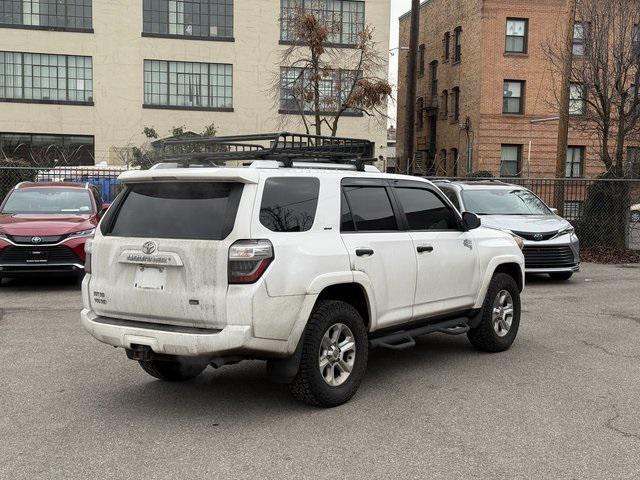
307,266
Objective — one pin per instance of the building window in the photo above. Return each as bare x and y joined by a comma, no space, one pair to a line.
574,162
43,149
344,19
577,102
207,86
445,105
297,90
420,113
39,77
446,46
47,14
434,83
200,19
573,209
457,54
510,160
636,38
579,38
512,97
421,60
455,93
517,35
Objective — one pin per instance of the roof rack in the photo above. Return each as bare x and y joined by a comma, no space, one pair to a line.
283,147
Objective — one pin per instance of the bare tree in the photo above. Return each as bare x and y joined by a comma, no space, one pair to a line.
604,75
320,83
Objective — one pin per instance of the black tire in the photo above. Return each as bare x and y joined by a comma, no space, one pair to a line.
174,370
561,276
484,337
309,386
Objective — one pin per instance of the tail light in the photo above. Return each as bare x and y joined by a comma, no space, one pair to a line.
87,256
248,260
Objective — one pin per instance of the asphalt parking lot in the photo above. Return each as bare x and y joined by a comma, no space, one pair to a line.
563,403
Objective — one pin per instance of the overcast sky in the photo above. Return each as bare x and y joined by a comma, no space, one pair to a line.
398,7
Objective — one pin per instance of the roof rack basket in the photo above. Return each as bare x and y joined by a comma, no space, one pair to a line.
283,147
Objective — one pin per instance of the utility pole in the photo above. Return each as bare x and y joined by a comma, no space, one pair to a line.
565,95
410,107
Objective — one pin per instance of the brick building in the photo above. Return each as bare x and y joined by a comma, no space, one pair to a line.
482,79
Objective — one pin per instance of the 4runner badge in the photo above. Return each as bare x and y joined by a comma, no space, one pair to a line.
149,248
468,244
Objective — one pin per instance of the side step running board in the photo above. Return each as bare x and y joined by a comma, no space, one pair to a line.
403,339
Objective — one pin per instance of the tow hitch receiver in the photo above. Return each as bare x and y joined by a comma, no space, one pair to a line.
141,353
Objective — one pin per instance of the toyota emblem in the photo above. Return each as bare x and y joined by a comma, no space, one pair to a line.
149,248
538,236
36,240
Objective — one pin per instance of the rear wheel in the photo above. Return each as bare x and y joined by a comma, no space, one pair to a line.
334,355
174,370
561,275
500,316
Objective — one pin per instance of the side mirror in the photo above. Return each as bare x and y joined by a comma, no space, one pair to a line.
554,211
471,220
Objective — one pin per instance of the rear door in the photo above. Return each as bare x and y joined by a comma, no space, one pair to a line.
379,248
447,273
163,254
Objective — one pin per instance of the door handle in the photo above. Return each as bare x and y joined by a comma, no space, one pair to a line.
425,249
364,252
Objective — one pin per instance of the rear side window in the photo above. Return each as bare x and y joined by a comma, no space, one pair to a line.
371,209
425,211
289,204
183,210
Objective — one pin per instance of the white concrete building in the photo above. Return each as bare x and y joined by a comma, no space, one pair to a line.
96,72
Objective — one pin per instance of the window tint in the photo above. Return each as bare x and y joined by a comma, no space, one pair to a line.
186,210
346,219
425,211
451,195
371,208
289,204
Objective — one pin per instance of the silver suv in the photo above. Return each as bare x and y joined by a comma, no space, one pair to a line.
550,243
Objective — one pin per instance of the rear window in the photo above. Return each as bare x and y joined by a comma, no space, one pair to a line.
289,204
184,210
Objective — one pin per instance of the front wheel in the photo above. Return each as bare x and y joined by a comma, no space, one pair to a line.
334,355
500,316
561,275
179,370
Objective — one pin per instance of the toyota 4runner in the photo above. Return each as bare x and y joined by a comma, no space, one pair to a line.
307,259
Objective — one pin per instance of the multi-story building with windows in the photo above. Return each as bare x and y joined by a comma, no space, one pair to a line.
89,75
484,84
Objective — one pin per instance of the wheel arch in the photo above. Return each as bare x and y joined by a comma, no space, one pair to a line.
352,293
510,265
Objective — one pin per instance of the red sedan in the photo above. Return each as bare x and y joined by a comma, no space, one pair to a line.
44,227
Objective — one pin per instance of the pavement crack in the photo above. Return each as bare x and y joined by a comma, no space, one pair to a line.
610,424
631,318
609,352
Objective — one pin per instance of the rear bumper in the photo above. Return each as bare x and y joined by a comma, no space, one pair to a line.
181,341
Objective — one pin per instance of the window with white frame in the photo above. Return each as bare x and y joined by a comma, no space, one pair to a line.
344,19
513,97
579,38
40,77
52,14
188,85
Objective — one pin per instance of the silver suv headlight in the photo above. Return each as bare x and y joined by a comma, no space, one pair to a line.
566,231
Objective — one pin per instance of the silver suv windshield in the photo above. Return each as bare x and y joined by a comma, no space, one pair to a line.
503,202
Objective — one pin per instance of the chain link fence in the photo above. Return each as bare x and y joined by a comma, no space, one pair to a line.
104,178
605,213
